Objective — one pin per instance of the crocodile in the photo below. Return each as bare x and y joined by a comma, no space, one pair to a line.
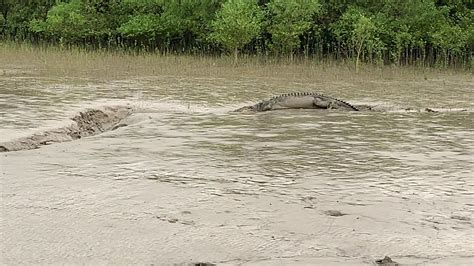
299,100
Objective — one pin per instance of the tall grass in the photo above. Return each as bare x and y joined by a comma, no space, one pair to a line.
112,64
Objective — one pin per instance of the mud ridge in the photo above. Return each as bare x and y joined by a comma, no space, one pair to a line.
378,108
89,122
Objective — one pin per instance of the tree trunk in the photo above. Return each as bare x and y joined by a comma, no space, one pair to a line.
359,49
357,62
236,52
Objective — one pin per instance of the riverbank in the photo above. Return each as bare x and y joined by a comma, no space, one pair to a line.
56,61
189,182
56,215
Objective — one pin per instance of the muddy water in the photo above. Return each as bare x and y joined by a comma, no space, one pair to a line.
186,181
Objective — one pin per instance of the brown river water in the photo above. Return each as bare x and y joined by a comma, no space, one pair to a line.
187,181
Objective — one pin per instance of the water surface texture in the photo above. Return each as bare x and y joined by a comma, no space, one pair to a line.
187,181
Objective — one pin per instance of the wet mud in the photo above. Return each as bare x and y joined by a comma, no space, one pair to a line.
86,123
379,108
182,180
95,121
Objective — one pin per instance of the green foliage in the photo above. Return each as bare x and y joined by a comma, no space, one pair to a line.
18,13
466,22
147,26
428,32
2,23
344,27
65,20
359,33
143,6
289,19
71,22
364,35
188,18
236,24
451,38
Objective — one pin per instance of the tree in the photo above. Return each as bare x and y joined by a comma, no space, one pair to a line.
72,22
186,22
403,31
363,35
143,26
65,20
139,24
236,24
451,40
358,32
5,6
289,19
18,13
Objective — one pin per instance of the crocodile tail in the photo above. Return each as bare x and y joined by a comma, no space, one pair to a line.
350,105
344,102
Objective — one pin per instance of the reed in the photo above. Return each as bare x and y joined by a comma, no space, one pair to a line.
116,64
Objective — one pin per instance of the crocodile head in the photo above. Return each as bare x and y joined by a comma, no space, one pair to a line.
245,109
259,107
263,106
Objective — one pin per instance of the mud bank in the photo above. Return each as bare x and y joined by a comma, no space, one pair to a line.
90,122
392,109
371,108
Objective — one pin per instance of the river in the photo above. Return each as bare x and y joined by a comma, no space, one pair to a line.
187,181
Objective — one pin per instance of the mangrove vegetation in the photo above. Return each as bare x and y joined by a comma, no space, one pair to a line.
401,32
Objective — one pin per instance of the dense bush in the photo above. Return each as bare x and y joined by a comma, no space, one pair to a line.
425,32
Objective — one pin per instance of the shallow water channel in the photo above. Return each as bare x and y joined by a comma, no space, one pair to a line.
187,181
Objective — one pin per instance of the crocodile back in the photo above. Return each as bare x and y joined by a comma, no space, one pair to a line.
265,105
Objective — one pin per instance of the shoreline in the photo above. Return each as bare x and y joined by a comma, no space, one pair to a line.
72,60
